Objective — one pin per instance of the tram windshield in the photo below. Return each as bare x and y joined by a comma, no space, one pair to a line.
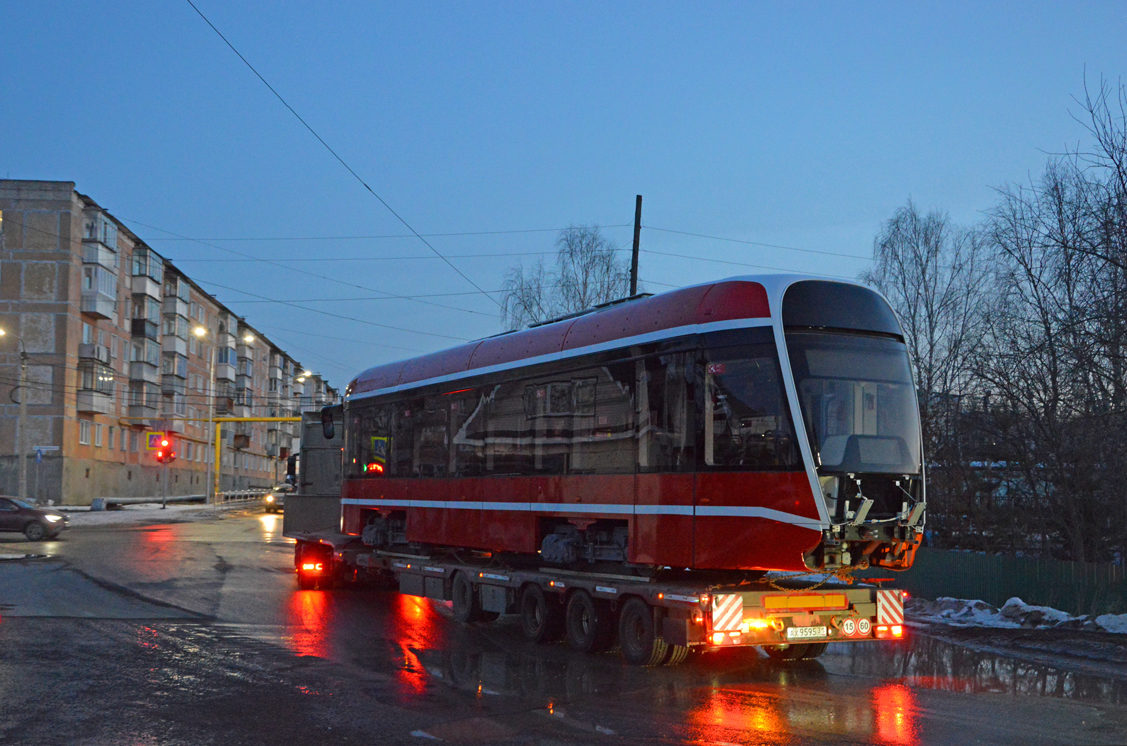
858,401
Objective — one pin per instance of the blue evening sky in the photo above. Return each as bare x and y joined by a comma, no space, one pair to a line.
798,124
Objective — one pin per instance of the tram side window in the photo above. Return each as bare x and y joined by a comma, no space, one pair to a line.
368,433
508,431
604,443
401,458
666,414
432,447
467,423
746,422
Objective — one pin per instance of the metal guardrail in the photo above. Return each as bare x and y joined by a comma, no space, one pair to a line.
240,496
231,497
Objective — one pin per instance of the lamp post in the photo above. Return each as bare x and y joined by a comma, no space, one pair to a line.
201,332
21,426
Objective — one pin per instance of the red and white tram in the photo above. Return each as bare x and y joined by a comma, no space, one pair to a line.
756,423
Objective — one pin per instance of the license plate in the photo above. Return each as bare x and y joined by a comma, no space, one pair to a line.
805,633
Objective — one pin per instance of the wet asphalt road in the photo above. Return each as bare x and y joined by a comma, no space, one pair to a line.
195,633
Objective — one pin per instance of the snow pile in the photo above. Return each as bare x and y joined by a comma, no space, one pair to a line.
147,513
1014,614
1113,623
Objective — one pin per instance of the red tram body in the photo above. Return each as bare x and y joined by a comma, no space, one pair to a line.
756,423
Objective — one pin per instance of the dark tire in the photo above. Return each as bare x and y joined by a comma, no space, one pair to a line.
467,604
804,651
306,582
677,655
35,531
541,616
589,623
640,646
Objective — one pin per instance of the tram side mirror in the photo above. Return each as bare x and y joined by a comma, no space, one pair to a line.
327,427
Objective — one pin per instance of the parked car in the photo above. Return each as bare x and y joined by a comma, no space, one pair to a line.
276,498
34,523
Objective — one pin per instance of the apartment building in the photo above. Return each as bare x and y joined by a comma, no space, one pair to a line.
120,342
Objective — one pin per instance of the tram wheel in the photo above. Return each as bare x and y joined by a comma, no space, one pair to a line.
805,651
467,604
589,623
541,616
640,646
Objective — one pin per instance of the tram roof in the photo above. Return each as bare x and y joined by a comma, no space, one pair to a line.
734,298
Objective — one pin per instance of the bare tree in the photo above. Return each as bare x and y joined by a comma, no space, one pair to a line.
933,272
587,273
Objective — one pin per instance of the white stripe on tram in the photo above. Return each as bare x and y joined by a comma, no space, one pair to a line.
679,331
603,509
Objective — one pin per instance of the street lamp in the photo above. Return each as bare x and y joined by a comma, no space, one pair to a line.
201,332
21,426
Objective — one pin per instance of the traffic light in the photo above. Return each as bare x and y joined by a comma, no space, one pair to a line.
166,451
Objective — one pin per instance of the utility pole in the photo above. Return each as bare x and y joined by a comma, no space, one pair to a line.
637,241
22,441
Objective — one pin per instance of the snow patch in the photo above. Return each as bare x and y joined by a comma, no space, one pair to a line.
1014,614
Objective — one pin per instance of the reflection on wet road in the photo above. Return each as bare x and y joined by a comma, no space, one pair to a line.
922,690
376,666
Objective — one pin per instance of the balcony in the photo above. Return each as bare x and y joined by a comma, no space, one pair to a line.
94,352
244,381
173,344
139,370
224,405
95,402
170,384
145,285
145,328
174,306
94,252
241,441
98,305
142,410
169,424
275,372
272,450
224,372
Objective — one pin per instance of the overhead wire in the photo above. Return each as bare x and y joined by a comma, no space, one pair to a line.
756,243
306,272
339,159
390,235
334,315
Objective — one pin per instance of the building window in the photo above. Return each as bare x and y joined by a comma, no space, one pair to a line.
84,432
87,334
123,440
133,441
112,434
97,435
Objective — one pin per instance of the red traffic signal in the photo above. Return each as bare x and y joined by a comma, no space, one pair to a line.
166,453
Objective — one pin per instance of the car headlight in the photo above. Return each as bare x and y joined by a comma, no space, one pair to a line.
269,498
53,518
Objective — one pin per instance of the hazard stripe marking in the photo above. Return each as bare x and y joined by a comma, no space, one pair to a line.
890,607
727,612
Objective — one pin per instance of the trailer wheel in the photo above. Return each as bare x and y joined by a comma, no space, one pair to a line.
467,604
805,651
541,617
589,623
676,656
640,646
